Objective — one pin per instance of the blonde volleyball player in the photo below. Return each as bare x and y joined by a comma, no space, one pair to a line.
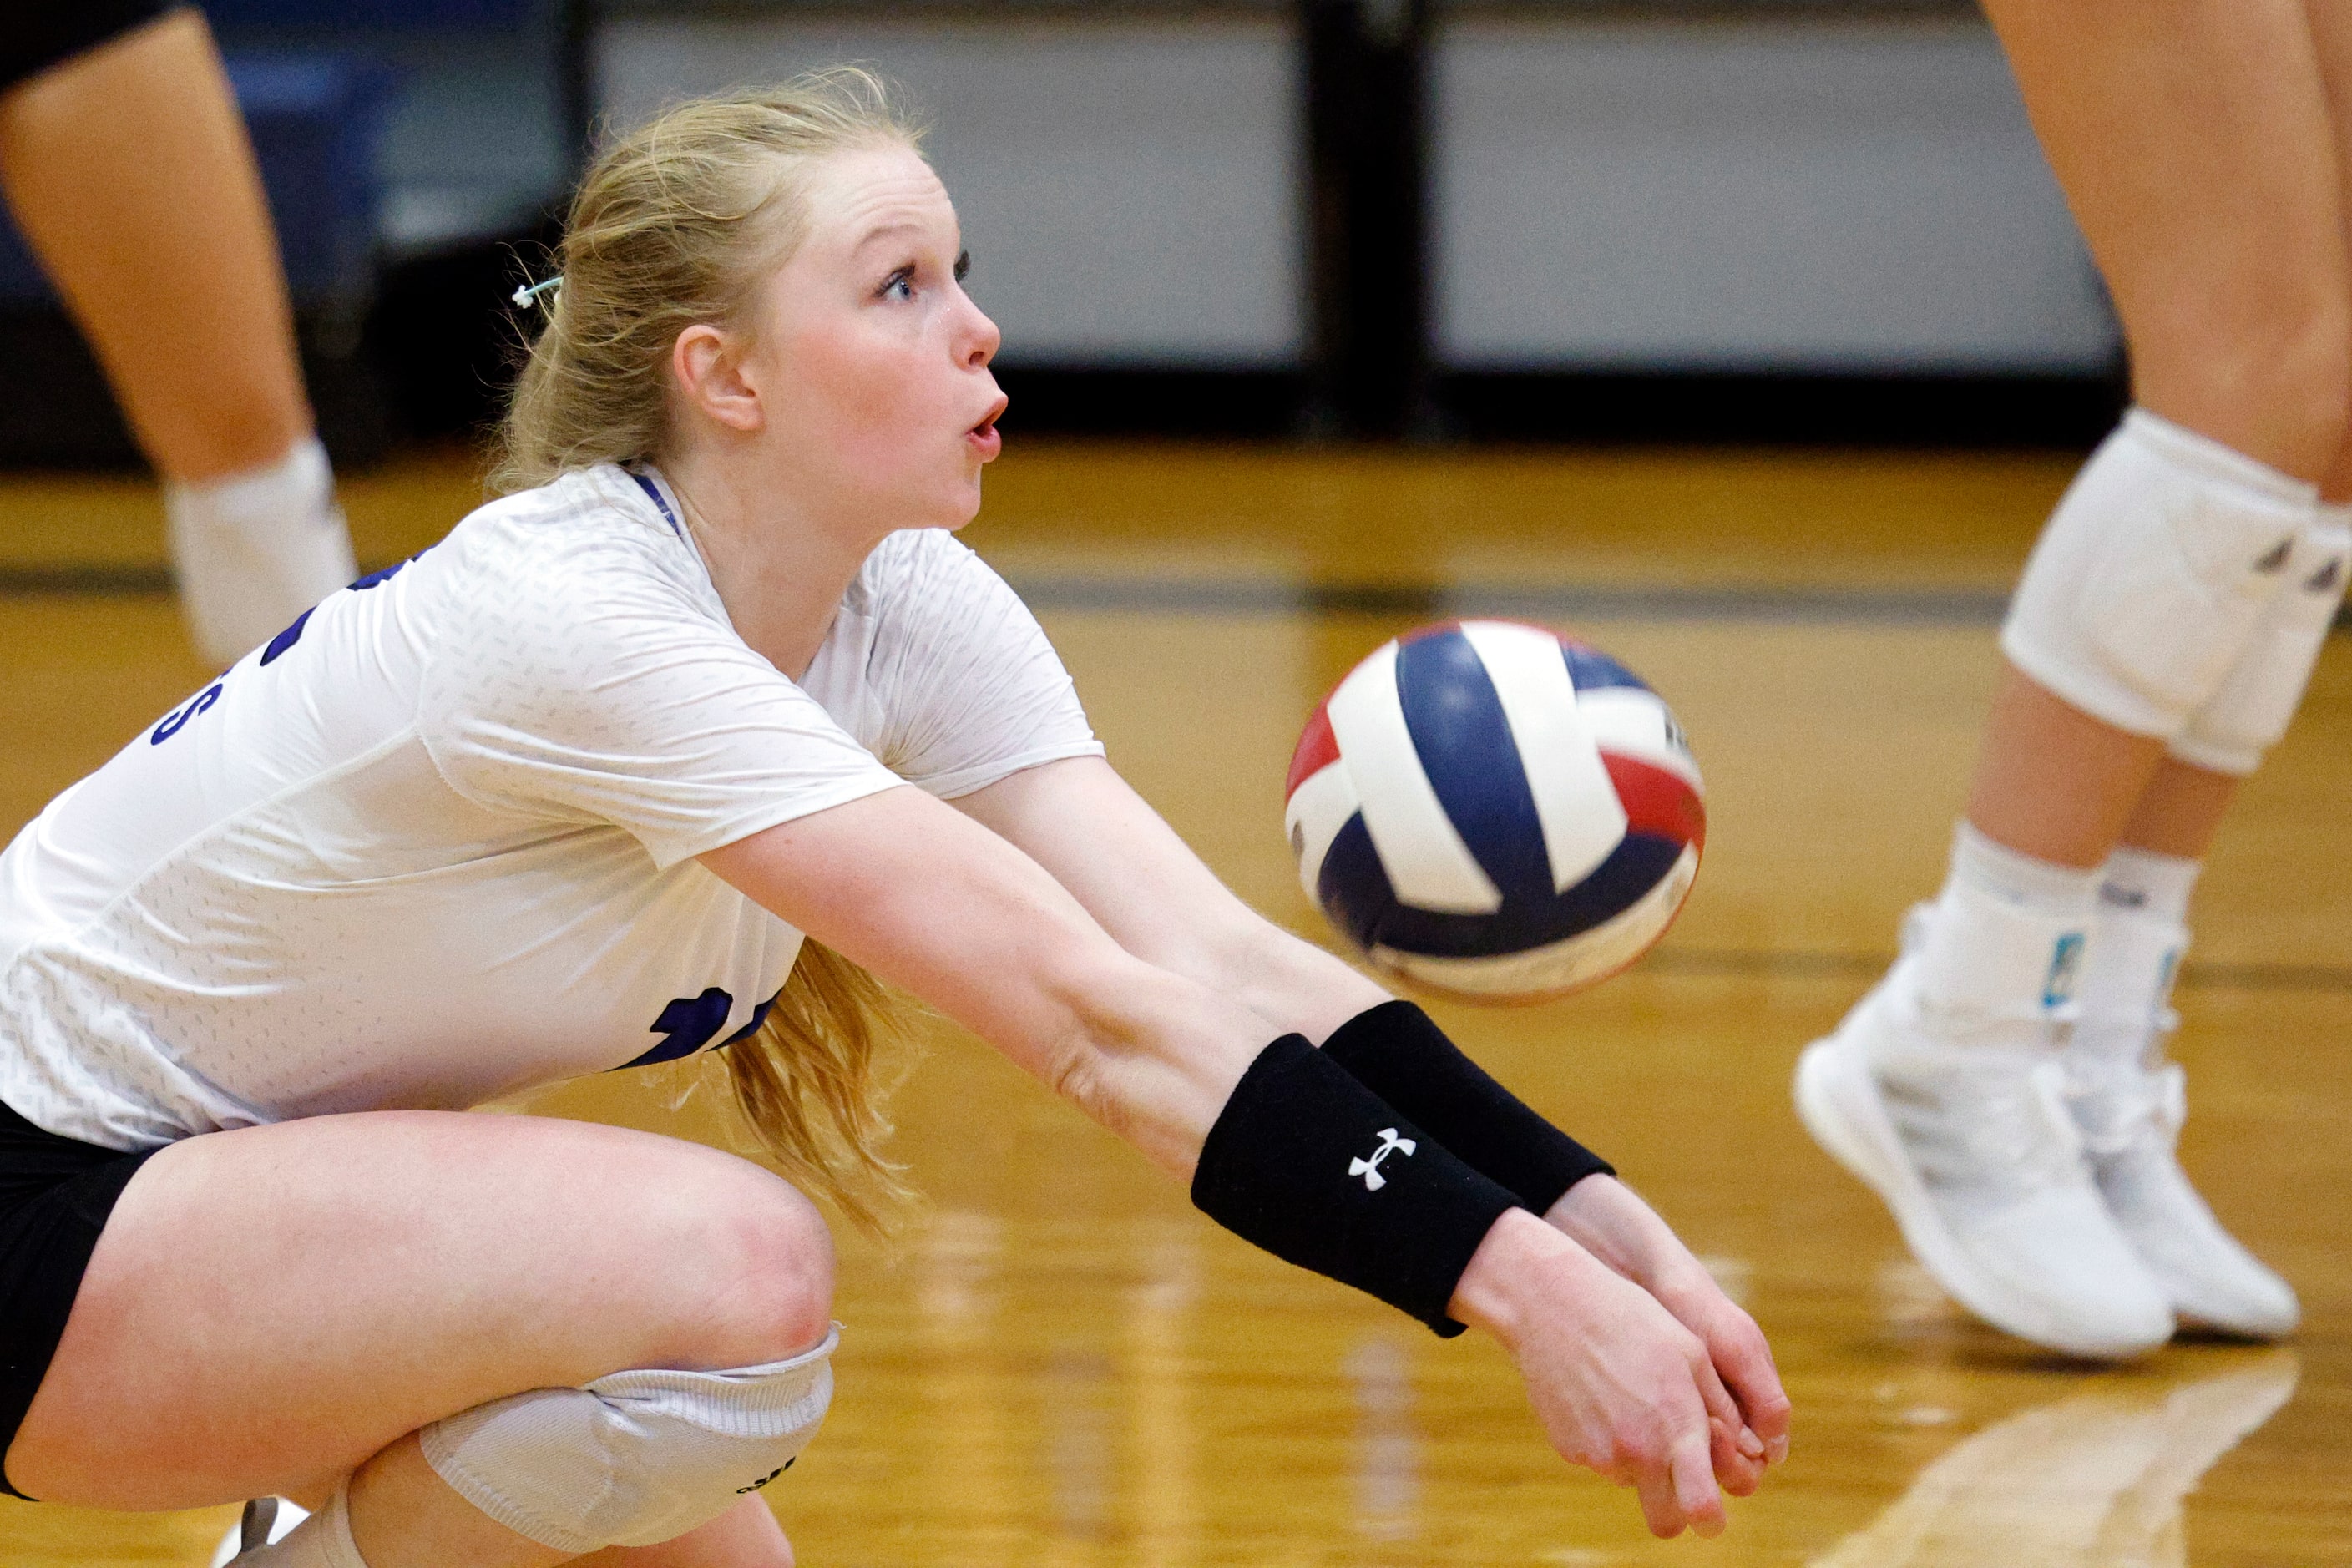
125,162
563,794
2004,1088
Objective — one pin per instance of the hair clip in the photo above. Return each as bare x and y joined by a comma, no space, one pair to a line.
529,294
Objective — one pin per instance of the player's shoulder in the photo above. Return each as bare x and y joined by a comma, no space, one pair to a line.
564,577
589,526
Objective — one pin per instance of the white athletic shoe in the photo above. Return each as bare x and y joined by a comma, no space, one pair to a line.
2130,1120
1974,1150
270,1519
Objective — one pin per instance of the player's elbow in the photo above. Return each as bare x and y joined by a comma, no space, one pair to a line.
1095,1001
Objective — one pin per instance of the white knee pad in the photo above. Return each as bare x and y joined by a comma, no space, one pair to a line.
635,1458
2153,575
2251,712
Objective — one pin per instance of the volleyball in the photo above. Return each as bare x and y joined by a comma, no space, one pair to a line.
1495,811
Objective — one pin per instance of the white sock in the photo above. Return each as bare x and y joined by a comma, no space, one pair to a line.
321,1541
2003,943
255,550
2136,942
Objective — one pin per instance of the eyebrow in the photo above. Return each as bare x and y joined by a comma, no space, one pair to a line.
883,231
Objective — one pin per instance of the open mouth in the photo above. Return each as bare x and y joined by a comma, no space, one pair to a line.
987,426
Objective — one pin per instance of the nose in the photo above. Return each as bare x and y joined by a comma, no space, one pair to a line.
981,338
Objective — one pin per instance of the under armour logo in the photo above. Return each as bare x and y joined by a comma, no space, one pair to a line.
1370,1169
763,1480
2324,580
2274,558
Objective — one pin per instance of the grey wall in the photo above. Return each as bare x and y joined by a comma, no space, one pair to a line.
1841,195
1130,190
1845,196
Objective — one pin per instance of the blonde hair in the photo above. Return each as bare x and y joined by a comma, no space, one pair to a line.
809,1085
674,225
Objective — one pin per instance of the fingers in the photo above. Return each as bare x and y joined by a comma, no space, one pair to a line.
1738,1465
1720,1406
1737,1456
1744,1359
1677,1486
1740,1352
1683,1493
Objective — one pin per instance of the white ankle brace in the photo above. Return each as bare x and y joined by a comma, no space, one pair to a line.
2153,575
2127,987
635,1458
255,550
2003,940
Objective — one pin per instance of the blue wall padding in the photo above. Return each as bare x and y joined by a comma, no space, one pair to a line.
378,16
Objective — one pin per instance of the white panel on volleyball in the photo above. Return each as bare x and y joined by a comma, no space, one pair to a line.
1576,803
1428,864
1318,808
1634,723
1570,965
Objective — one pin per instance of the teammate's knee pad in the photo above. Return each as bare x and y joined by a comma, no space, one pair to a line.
2153,575
2251,712
635,1458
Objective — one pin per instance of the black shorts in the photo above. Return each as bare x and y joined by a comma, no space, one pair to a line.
55,1196
38,36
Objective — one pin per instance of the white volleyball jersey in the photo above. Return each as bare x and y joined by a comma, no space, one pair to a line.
435,842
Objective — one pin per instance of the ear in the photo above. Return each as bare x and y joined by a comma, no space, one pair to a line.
707,365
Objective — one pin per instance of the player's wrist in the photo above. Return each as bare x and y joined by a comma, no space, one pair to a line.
1608,1220
1521,1274
1493,1294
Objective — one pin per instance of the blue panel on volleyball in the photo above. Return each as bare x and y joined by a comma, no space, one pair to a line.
316,122
1495,810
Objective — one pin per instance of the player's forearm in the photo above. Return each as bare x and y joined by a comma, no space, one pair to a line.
1151,1055
1140,883
942,906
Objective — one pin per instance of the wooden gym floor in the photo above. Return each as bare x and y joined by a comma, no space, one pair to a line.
1062,1364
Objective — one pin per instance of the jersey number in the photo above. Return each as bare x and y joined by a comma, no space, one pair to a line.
177,719
687,1024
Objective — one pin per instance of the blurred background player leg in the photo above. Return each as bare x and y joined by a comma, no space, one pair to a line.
2157,643
127,167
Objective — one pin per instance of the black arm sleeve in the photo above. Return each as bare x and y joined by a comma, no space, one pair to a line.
1306,1163
1398,1052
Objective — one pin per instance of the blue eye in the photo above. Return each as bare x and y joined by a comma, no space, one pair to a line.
901,284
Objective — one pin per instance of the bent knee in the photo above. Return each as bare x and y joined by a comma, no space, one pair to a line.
755,1267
